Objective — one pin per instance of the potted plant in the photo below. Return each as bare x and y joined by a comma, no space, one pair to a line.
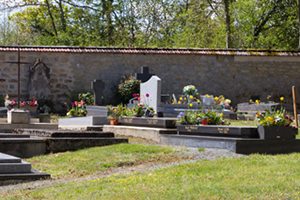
78,110
275,124
115,113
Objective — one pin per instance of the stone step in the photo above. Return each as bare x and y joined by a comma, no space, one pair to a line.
63,133
11,135
13,168
4,158
6,179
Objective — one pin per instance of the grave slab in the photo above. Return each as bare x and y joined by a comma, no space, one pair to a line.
8,128
62,133
141,132
149,122
83,121
150,93
14,170
238,145
221,131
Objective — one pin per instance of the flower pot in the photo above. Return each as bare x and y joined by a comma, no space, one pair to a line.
30,108
114,121
276,132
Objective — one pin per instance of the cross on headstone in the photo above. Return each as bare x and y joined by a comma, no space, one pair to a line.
98,87
18,62
144,75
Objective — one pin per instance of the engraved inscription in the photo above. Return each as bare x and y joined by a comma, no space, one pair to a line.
223,130
190,128
154,121
128,120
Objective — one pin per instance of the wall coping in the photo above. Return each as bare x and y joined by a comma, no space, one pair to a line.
126,50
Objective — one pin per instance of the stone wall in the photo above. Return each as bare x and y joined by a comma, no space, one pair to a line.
236,77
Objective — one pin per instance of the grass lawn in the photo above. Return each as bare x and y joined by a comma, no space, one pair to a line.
251,177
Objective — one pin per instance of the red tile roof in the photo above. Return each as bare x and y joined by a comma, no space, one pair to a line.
124,50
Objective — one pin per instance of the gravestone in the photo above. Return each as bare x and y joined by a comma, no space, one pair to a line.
144,75
150,92
207,101
18,116
39,85
98,87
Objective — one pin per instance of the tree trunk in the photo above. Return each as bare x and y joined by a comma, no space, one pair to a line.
227,21
52,20
299,22
62,16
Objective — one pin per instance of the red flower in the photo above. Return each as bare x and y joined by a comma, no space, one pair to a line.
139,98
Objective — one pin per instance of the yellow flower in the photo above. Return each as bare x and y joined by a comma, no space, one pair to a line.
257,102
180,98
194,98
197,93
250,100
178,102
216,98
184,98
191,96
281,98
221,114
207,95
191,105
198,101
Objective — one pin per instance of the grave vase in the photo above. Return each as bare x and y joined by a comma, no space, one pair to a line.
276,132
189,100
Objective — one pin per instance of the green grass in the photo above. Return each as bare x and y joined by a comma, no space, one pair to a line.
253,177
98,159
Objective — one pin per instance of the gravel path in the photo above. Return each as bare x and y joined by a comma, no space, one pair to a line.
190,155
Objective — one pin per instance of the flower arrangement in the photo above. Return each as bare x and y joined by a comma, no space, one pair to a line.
274,118
189,90
12,103
78,109
115,112
224,103
196,118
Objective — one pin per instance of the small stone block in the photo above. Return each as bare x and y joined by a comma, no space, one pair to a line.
15,116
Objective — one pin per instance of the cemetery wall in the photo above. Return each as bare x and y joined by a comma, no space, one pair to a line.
234,76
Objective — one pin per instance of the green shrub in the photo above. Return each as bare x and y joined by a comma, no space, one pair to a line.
87,98
127,87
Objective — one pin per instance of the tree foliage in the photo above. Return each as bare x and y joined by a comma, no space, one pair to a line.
152,23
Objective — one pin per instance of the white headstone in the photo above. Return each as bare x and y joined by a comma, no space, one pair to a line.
207,101
150,92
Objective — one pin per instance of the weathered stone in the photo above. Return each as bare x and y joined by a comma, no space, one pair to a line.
18,116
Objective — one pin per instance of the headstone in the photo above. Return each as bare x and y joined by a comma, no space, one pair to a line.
39,85
144,75
150,92
174,98
98,87
207,101
16,116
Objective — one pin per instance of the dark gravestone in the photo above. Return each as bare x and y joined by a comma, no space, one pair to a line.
98,87
144,75
39,85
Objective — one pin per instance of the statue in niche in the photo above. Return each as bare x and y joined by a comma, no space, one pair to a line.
39,81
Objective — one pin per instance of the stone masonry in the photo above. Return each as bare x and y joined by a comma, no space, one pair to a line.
236,75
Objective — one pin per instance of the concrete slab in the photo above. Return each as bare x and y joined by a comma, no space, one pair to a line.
23,147
142,132
237,145
4,158
13,168
83,121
